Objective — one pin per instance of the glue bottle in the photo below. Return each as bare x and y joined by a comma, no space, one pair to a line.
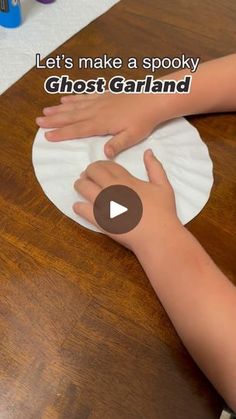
10,13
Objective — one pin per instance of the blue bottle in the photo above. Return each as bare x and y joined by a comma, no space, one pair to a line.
10,13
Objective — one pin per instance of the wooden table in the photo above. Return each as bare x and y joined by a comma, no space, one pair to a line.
82,332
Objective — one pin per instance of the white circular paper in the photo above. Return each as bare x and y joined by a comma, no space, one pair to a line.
176,144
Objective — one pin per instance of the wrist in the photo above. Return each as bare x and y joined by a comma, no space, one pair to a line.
159,241
164,107
173,105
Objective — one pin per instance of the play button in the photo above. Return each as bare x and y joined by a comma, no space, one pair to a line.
118,209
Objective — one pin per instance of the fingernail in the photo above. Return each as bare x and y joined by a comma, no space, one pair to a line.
76,207
49,136
39,120
47,110
110,151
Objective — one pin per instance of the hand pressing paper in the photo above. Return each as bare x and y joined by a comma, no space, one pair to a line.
176,144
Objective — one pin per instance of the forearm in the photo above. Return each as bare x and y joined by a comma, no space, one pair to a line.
201,303
213,89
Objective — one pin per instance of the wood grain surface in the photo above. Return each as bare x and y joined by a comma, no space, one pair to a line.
83,335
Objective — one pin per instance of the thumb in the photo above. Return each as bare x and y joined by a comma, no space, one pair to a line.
118,143
154,168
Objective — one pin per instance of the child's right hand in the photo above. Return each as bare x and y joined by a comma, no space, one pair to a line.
128,118
159,223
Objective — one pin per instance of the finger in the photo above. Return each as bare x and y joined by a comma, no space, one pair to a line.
99,173
107,173
78,130
88,189
85,210
117,171
52,110
155,170
78,98
71,106
118,143
72,98
82,175
61,119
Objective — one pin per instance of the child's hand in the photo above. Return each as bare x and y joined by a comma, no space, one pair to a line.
129,118
159,221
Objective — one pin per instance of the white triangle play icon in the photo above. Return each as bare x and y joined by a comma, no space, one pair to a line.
116,209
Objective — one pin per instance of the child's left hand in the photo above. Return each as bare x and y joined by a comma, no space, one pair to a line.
127,118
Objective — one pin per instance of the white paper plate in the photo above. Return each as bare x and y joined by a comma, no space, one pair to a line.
176,144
